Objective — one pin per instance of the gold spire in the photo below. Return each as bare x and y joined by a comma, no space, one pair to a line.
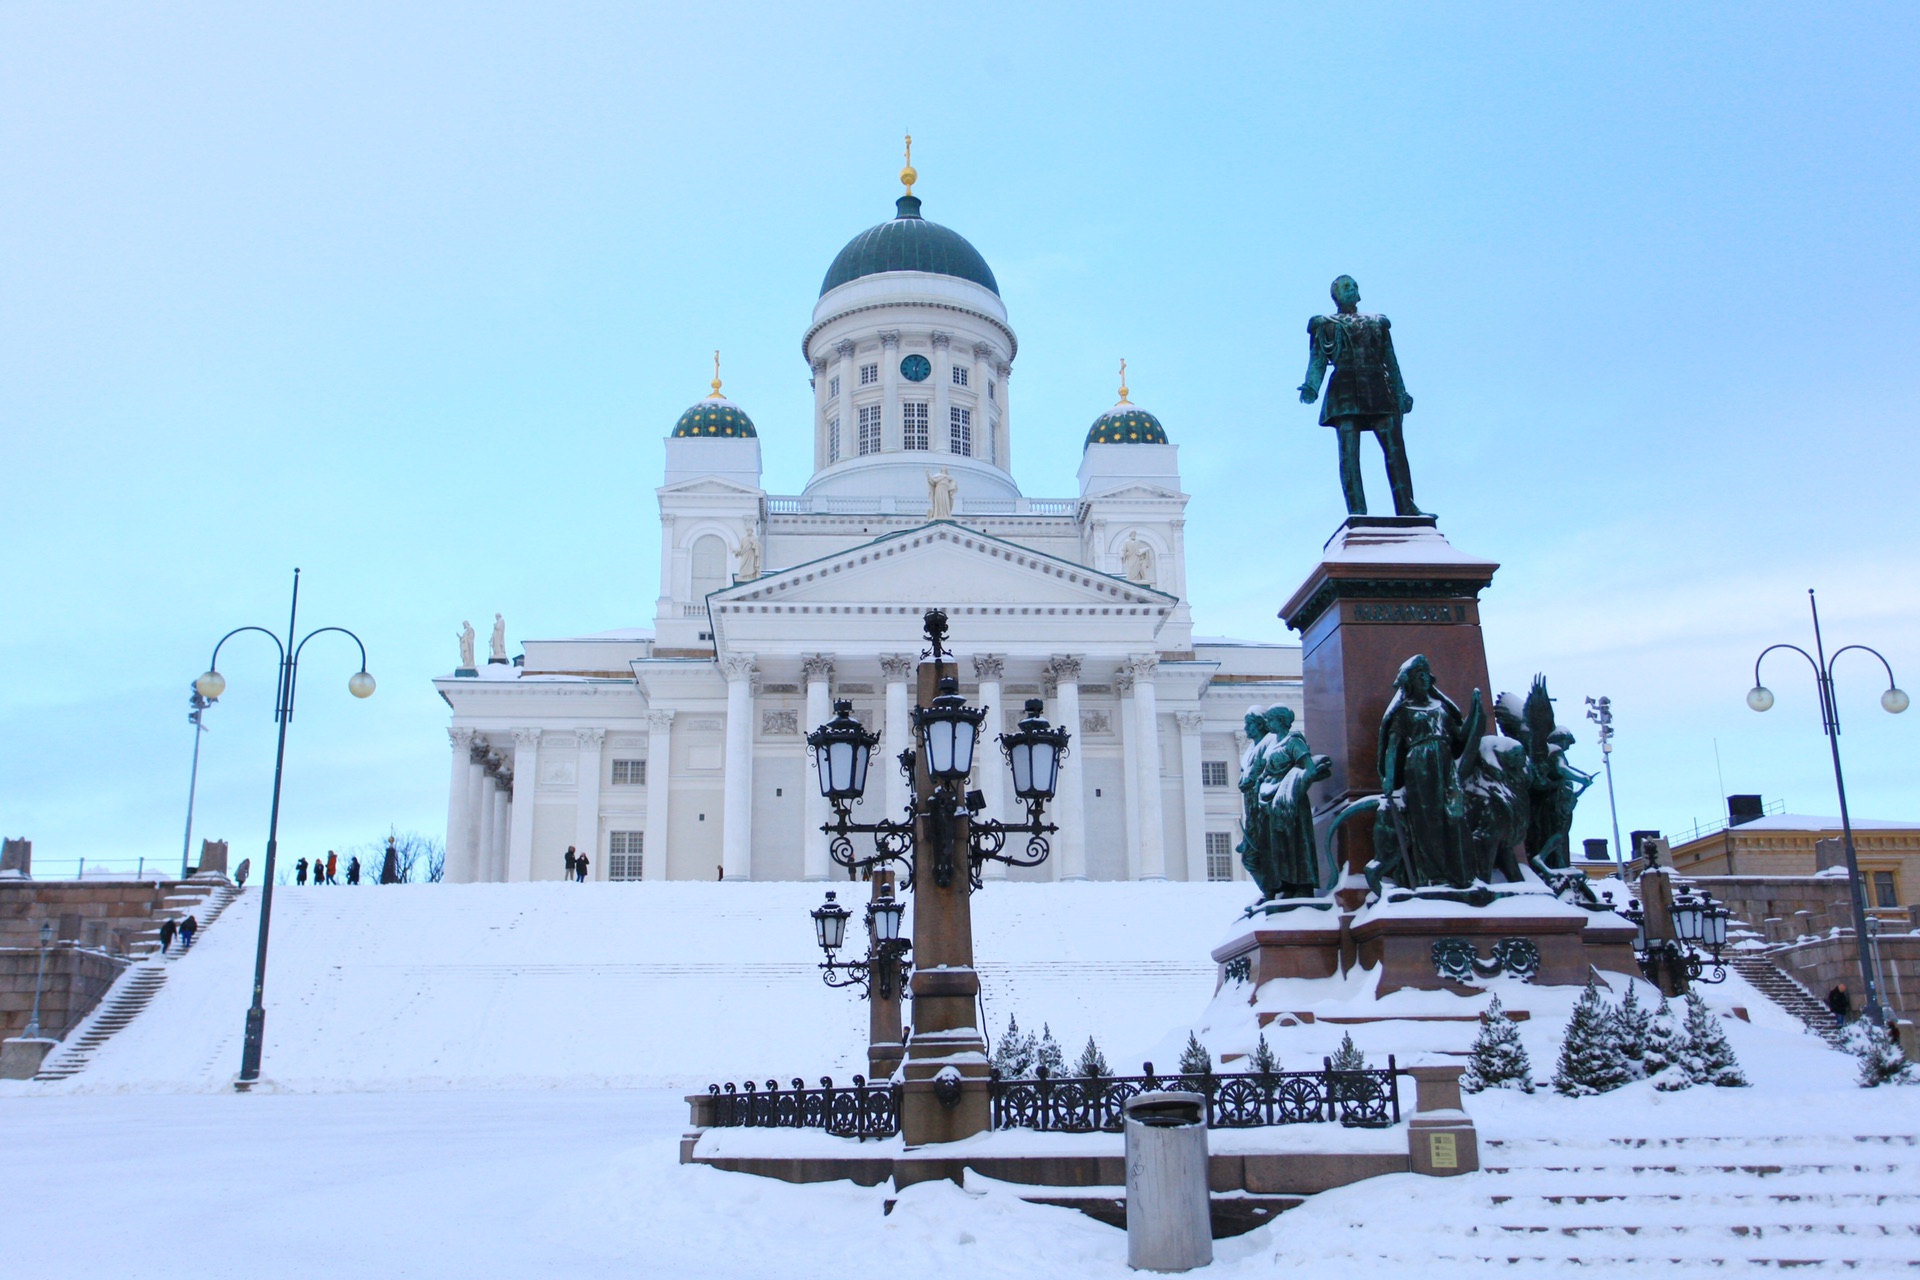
1123,382
907,175
716,378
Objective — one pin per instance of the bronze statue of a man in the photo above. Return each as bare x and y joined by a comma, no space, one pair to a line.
1365,394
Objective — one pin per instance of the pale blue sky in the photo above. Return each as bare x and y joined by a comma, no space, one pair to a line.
408,295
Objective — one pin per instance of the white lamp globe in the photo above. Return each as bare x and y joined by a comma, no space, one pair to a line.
361,685
1760,698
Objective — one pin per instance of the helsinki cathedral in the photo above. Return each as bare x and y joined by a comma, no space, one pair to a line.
679,751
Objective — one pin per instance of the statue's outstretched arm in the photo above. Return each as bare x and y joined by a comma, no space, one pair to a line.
1316,363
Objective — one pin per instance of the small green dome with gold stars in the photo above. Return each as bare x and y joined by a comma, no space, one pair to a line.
715,417
1126,422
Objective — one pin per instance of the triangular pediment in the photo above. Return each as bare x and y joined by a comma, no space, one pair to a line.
885,585
716,486
1138,493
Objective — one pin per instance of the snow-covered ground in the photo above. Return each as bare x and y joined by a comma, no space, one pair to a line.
484,1081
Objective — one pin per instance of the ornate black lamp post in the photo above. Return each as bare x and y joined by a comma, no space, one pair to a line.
197,704
212,685
885,967
1760,698
1670,956
945,1076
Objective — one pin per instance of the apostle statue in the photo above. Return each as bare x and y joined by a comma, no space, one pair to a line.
466,646
497,647
1366,393
749,557
941,490
1136,559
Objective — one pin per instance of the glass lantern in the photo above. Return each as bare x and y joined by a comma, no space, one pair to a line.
949,729
1034,753
842,749
884,916
830,924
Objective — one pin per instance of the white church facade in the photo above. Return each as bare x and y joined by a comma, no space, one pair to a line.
679,752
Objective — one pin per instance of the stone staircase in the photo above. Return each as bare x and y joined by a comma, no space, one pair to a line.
1642,1204
205,906
133,990
130,994
1786,991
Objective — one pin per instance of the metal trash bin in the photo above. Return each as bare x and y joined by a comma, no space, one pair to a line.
1169,1218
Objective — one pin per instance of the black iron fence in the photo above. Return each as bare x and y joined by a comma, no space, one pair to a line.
1365,1098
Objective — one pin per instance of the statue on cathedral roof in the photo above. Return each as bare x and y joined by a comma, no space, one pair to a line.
1136,559
497,647
466,646
941,490
1366,393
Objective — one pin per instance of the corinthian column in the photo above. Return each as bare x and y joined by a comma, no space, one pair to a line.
736,834
1070,801
815,865
586,814
987,669
898,668
1193,809
526,773
653,860
1129,729
460,809
1146,710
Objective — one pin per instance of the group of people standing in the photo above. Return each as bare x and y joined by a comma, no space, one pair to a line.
184,929
576,865
326,870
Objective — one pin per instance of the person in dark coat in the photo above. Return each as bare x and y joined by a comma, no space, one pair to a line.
188,927
1840,1004
300,871
353,870
572,861
580,868
166,935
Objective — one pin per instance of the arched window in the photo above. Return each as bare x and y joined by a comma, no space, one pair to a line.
709,565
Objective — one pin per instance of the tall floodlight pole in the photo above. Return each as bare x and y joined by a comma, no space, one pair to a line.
197,705
212,685
1600,711
1760,698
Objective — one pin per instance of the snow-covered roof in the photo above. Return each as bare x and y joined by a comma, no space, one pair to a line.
1811,822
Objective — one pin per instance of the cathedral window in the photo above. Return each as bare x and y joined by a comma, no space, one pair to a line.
914,420
709,564
869,374
959,375
833,440
629,773
1213,773
624,854
1219,855
869,429
960,431
833,386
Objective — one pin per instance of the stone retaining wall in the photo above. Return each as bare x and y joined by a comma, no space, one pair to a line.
75,980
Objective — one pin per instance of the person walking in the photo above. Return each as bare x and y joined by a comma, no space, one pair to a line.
188,927
572,862
353,870
166,935
1840,1004
580,867
333,867
300,871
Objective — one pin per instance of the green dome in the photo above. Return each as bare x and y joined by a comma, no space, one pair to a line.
715,417
1124,424
909,243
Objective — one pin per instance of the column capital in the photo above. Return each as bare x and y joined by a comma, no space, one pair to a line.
1065,668
890,339
590,738
460,739
817,667
525,738
1189,721
737,666
989,666
819,364
983,351
941,341
1004,369
1143,666
897,667
844,349
660,720
1123,681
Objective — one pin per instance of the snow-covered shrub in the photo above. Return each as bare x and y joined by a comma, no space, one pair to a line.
1046,1053
1709,1058
1348,1056
1590,1057
1195,1059
1631,1021
1092,1062
1499,1060
1013,1056
1264,1061
1881,1061
1665,1047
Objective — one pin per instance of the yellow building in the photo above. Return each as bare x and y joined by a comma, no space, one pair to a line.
1788,844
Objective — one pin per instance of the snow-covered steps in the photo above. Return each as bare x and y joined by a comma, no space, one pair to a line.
1786,991
124,1000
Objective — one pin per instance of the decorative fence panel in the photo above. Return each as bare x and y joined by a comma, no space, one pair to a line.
860,1111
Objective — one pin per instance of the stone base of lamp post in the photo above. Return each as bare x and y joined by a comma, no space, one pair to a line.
20,1057
1441,1139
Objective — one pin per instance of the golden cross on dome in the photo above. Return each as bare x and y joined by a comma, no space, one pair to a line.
1123,382
907,175
716,378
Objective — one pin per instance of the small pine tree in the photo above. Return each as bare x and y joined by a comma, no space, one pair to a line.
1348,1056
1196,1059
1631,1021
1881,1061
1046,1054
1092,1062
1664,1058
1013,1057
1710,1057
1590,1057
1264,1061
1499,1060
